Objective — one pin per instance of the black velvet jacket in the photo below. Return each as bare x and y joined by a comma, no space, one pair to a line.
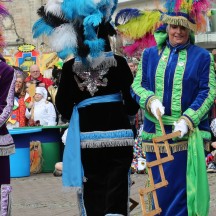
102,116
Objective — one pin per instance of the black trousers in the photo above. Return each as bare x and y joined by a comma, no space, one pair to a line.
106,190
5,170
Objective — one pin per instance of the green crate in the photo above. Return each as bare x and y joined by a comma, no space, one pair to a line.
51,155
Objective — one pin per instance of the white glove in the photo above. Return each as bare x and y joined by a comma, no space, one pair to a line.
181,126
64,136
156,104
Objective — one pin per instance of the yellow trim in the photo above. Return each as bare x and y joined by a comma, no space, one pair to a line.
179,20
189,123
150,100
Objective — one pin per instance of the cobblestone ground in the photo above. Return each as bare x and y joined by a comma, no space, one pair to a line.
42,195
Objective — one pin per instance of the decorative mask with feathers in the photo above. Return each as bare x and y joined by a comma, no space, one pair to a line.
78,28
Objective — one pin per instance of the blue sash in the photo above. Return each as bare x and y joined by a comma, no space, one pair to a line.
72,166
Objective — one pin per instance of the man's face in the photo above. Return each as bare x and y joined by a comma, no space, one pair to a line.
178,35
34,71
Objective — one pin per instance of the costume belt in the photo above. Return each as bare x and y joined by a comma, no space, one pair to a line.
72,167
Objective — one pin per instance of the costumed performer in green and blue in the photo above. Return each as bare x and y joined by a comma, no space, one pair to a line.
94,94
178,78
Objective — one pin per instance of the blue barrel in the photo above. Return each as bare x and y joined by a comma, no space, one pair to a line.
20,161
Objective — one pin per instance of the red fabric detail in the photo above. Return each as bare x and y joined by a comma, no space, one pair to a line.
209,159
19,113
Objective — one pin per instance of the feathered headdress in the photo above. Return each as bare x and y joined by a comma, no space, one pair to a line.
3,12
139,26
188,13
73,27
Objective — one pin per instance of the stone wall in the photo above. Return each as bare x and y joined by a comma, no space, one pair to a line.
24,14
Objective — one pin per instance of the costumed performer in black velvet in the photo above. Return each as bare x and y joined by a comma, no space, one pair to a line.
94,93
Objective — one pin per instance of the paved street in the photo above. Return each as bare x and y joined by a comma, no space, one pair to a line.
41,194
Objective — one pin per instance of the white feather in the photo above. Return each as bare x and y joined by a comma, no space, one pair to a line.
96,1
62,37
54,7
95,62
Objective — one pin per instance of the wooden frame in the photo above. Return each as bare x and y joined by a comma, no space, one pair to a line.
158,162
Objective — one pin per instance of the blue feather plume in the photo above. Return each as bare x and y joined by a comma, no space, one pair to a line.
40,27
115,6
96,47
126,14
169,5
73,8
66,52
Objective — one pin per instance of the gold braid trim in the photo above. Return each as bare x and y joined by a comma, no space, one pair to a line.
176,147
148,201
189,123
179,20
150,100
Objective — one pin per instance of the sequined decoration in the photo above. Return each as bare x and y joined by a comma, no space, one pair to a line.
91,80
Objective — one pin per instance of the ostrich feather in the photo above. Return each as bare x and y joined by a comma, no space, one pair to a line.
67,52
96,46
50,18
63,37
54,7
137,27
40,27
72,9
124,15
140,44
3,10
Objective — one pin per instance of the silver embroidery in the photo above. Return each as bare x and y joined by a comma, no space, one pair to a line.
92,79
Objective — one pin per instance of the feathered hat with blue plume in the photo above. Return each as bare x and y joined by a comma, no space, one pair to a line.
187,13
79,28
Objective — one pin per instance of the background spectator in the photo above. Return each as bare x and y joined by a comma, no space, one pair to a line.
41,111
37,78
17,117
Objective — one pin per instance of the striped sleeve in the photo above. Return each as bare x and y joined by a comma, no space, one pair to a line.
7,82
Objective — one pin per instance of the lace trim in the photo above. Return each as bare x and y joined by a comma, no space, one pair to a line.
107,143
177,147
5,140
7,150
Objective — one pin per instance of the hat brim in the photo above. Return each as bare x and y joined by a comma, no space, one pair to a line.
178,20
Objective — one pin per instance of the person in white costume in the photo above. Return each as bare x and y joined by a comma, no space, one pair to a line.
41,110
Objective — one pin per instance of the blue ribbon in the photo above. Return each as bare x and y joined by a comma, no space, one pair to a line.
72,167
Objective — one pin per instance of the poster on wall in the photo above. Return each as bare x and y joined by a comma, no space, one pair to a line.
49,60
26,56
